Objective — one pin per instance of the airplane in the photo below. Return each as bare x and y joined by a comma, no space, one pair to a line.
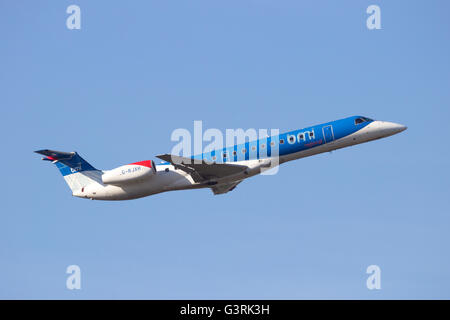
220,170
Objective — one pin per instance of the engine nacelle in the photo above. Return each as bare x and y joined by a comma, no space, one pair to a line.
130,173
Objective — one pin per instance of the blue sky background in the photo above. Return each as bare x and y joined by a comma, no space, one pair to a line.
116,89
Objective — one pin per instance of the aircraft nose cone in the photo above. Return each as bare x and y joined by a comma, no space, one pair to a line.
393,128
397,127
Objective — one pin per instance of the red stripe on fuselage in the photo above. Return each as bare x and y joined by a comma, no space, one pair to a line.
146,163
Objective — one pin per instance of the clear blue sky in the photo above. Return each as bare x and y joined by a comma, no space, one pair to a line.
116,89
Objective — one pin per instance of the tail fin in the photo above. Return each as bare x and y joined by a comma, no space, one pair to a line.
77,172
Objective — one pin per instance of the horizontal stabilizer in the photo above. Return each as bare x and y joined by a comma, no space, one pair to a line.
56,155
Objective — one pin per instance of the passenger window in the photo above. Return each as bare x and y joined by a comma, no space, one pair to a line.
234,153
224,154
281,142
244,151
253,148
291,139
311,134
272,144
214,158
263,146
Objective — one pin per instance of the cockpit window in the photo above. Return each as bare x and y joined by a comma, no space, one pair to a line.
362,119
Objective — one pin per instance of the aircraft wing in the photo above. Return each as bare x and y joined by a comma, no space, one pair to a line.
202,171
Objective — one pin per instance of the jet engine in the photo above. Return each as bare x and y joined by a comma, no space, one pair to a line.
132,172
